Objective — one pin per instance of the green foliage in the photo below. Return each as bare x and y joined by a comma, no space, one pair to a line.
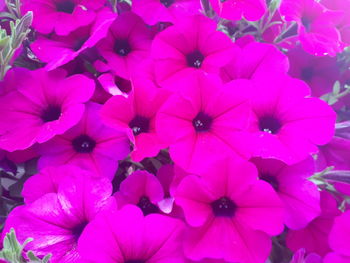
13,251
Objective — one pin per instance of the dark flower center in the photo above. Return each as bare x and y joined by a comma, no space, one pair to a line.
84,144
202,122
167,3
51,113
146,206
122,47
195,59
224,207
134,261
272,180
123,85
78,229
307,73
269,124
65,6
79,43
306,23
139,124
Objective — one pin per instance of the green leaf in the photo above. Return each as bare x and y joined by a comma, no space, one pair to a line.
336,88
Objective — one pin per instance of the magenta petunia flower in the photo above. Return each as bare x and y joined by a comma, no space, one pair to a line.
206,121
191,45
339,236
314,237
61,16
56,220
251,10
44,105
135,115
319,72
316,26
49,179
287,123
58,50
154,11
90,145
255,59
127,236
336,258
126,45
115,85
231,212
142,189
300,196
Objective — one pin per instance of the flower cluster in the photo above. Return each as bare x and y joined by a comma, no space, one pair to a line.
179,131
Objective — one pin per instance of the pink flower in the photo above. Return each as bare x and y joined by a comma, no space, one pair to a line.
89,144
205,121
255,59
339,236
336,258
153,11
115,85
316,26
191,45
251,10
299,195
126,45
142,189
49,179
56,220
58,50
319,72
44,105
127,236
135,115
231,212
314,237
61,16
287,123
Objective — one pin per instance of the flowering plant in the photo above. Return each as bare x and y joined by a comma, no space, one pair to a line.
175,131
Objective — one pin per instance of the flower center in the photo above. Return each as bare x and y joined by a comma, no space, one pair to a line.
307,73
146,206
306,23
134,261
195,59
167,3
122,47
224,207
139,124
202,122
269,124
84,144
123,85
51,113
78,229
272,180
65,6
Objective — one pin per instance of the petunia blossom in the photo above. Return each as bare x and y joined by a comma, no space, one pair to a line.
127,236
340,235
251,10
127,44
61,16
90,145
58,50
154,11
287,123
142,189
300,196
56,220
135,115
44,104
205,121
232,214
191,44
316,26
